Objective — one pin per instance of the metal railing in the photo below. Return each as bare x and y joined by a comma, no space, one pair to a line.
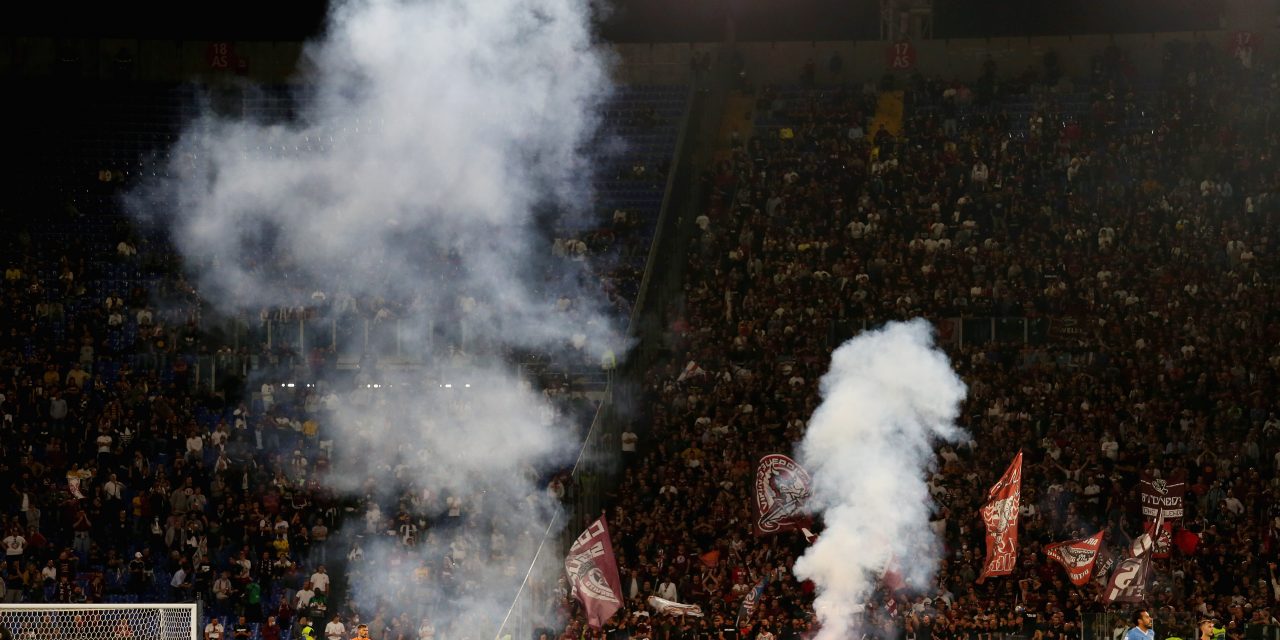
980,330
599,459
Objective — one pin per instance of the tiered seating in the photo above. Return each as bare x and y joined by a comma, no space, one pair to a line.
128,130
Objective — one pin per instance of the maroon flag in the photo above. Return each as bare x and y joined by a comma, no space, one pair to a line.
1129,581
1000,515
1106,562
593,574
1078,557
1162,503
892,578
782,489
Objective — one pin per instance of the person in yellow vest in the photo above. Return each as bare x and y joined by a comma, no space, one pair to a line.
308,632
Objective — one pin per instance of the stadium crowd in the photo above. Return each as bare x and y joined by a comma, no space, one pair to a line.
1143,222
1136,221
128,481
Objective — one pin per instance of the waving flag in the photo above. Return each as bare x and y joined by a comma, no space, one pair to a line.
73,485
751,601
1001,518
1129,581
1078,557
782,489
1162,502
593,573
662,605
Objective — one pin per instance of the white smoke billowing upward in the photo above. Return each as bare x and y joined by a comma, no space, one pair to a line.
432,131
434,135
888,397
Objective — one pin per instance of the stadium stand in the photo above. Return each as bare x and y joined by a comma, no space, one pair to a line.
126,479
1099,254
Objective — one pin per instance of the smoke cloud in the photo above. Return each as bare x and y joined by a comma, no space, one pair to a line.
888,397
431,133
437,142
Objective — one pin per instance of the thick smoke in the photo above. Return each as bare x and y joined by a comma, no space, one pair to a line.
417,177
430,133
888,397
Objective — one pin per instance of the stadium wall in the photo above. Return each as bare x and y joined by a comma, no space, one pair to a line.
777,62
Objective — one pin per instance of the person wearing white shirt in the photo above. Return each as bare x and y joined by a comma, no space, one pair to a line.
104,441
222,590
179,578
114,488
426,630
320,580
1233,504
335,629
302,599
14,544
667,591
1110,447
213,630
195,447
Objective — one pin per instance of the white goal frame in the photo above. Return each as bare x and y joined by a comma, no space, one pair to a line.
189,611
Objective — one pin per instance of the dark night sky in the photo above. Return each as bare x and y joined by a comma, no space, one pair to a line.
638,20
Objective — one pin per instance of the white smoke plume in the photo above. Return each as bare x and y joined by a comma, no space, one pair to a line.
888,397
431,133
417,176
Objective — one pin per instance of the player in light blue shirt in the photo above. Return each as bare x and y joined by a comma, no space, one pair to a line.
1141,629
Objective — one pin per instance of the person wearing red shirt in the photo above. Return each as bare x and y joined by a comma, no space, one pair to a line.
270,630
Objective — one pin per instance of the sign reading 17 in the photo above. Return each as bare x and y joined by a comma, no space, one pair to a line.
902,55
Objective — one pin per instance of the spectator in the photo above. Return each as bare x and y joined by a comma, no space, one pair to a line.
271,630
335,630
242,630
213,630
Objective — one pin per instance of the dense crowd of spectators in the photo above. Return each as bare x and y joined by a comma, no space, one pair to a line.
126,481
1137,220
1143,221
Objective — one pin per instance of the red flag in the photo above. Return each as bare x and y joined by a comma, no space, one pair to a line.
1000,514
593,573
1186,542
892,578
782,489
711,558
1078,557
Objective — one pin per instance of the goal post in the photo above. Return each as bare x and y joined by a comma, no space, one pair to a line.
160,621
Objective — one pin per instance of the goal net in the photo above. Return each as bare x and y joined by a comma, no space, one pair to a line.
100,621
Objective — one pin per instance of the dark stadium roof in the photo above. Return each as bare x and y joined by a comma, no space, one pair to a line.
641,20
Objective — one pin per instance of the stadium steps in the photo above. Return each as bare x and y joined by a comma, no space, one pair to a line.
739,115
